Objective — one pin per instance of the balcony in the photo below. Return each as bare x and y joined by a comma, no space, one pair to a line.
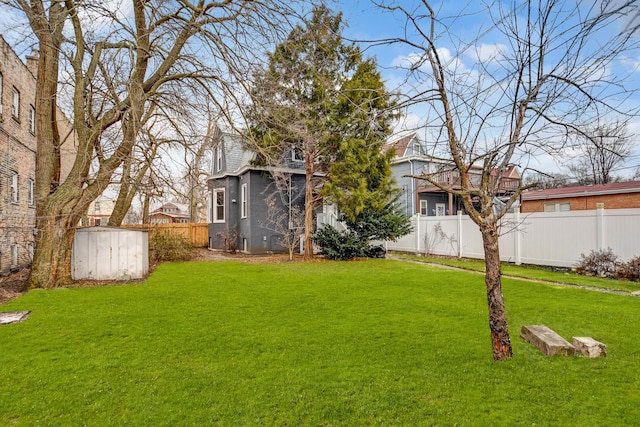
451,178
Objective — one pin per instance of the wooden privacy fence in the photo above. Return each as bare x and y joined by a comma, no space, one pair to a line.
541,238
196,233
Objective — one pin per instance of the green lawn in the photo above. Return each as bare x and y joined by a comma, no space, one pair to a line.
528,271
376,342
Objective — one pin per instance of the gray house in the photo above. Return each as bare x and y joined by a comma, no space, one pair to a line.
411,160
253,208
423,198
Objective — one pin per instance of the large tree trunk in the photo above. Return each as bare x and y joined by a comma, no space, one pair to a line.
500,339
51,265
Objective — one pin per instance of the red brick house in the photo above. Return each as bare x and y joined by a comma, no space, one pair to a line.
617,195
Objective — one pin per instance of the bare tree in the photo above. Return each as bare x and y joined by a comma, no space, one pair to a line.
115,67
545,79
285,210
601,150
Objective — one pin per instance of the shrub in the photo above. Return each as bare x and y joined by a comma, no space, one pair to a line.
629,270
338,245
600,263
166,246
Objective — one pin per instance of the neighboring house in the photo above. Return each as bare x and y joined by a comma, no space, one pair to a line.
247,209
99,212
421,197
170,213
18,157
616,195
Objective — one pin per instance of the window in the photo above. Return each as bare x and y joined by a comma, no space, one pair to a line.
557,207
96,207
15,104
423,208
243,201
32,119
296,154
30,192
14,256
14,187
218,205
218,159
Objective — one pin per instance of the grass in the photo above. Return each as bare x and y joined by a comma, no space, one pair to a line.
528,271
375,342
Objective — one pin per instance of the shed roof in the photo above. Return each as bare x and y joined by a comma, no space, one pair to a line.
583,191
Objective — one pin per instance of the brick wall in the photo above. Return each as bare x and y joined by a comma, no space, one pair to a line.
17,162
611,201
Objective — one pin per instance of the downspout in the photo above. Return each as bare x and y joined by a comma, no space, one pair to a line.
412,197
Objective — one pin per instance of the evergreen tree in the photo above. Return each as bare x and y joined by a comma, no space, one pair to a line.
319,99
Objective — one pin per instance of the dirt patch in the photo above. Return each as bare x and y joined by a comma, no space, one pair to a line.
11,285
203,254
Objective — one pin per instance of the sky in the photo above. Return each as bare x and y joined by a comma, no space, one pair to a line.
364,21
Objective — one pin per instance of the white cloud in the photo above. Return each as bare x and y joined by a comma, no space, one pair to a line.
487,53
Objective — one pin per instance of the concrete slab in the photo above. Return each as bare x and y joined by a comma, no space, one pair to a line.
589,347
547,341
13,317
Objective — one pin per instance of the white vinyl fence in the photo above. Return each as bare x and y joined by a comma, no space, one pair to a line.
544,238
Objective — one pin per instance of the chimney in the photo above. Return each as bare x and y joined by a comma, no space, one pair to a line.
32,62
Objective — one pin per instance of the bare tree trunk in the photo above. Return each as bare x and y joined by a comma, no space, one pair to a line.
145,207
51,265
500,339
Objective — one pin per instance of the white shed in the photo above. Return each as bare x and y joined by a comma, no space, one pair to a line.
110,253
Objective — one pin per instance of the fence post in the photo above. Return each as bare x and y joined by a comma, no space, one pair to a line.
517,240
459,234
600,225
417,228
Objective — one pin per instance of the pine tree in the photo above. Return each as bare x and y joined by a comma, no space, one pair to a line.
319,98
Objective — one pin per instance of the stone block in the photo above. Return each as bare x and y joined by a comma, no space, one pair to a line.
589,347
7,317
547,341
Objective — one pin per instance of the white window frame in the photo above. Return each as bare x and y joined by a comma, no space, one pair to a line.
31,188
15,104
218,155
219,215
557,207
424,208
15,194
243,201
32,119
296,154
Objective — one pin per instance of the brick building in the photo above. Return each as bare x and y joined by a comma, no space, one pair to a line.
18,157
617,195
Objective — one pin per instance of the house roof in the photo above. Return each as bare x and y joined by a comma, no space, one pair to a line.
400,145
583,191
181,207
237,155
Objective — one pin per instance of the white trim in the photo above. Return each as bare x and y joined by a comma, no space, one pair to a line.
244,206
219,208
